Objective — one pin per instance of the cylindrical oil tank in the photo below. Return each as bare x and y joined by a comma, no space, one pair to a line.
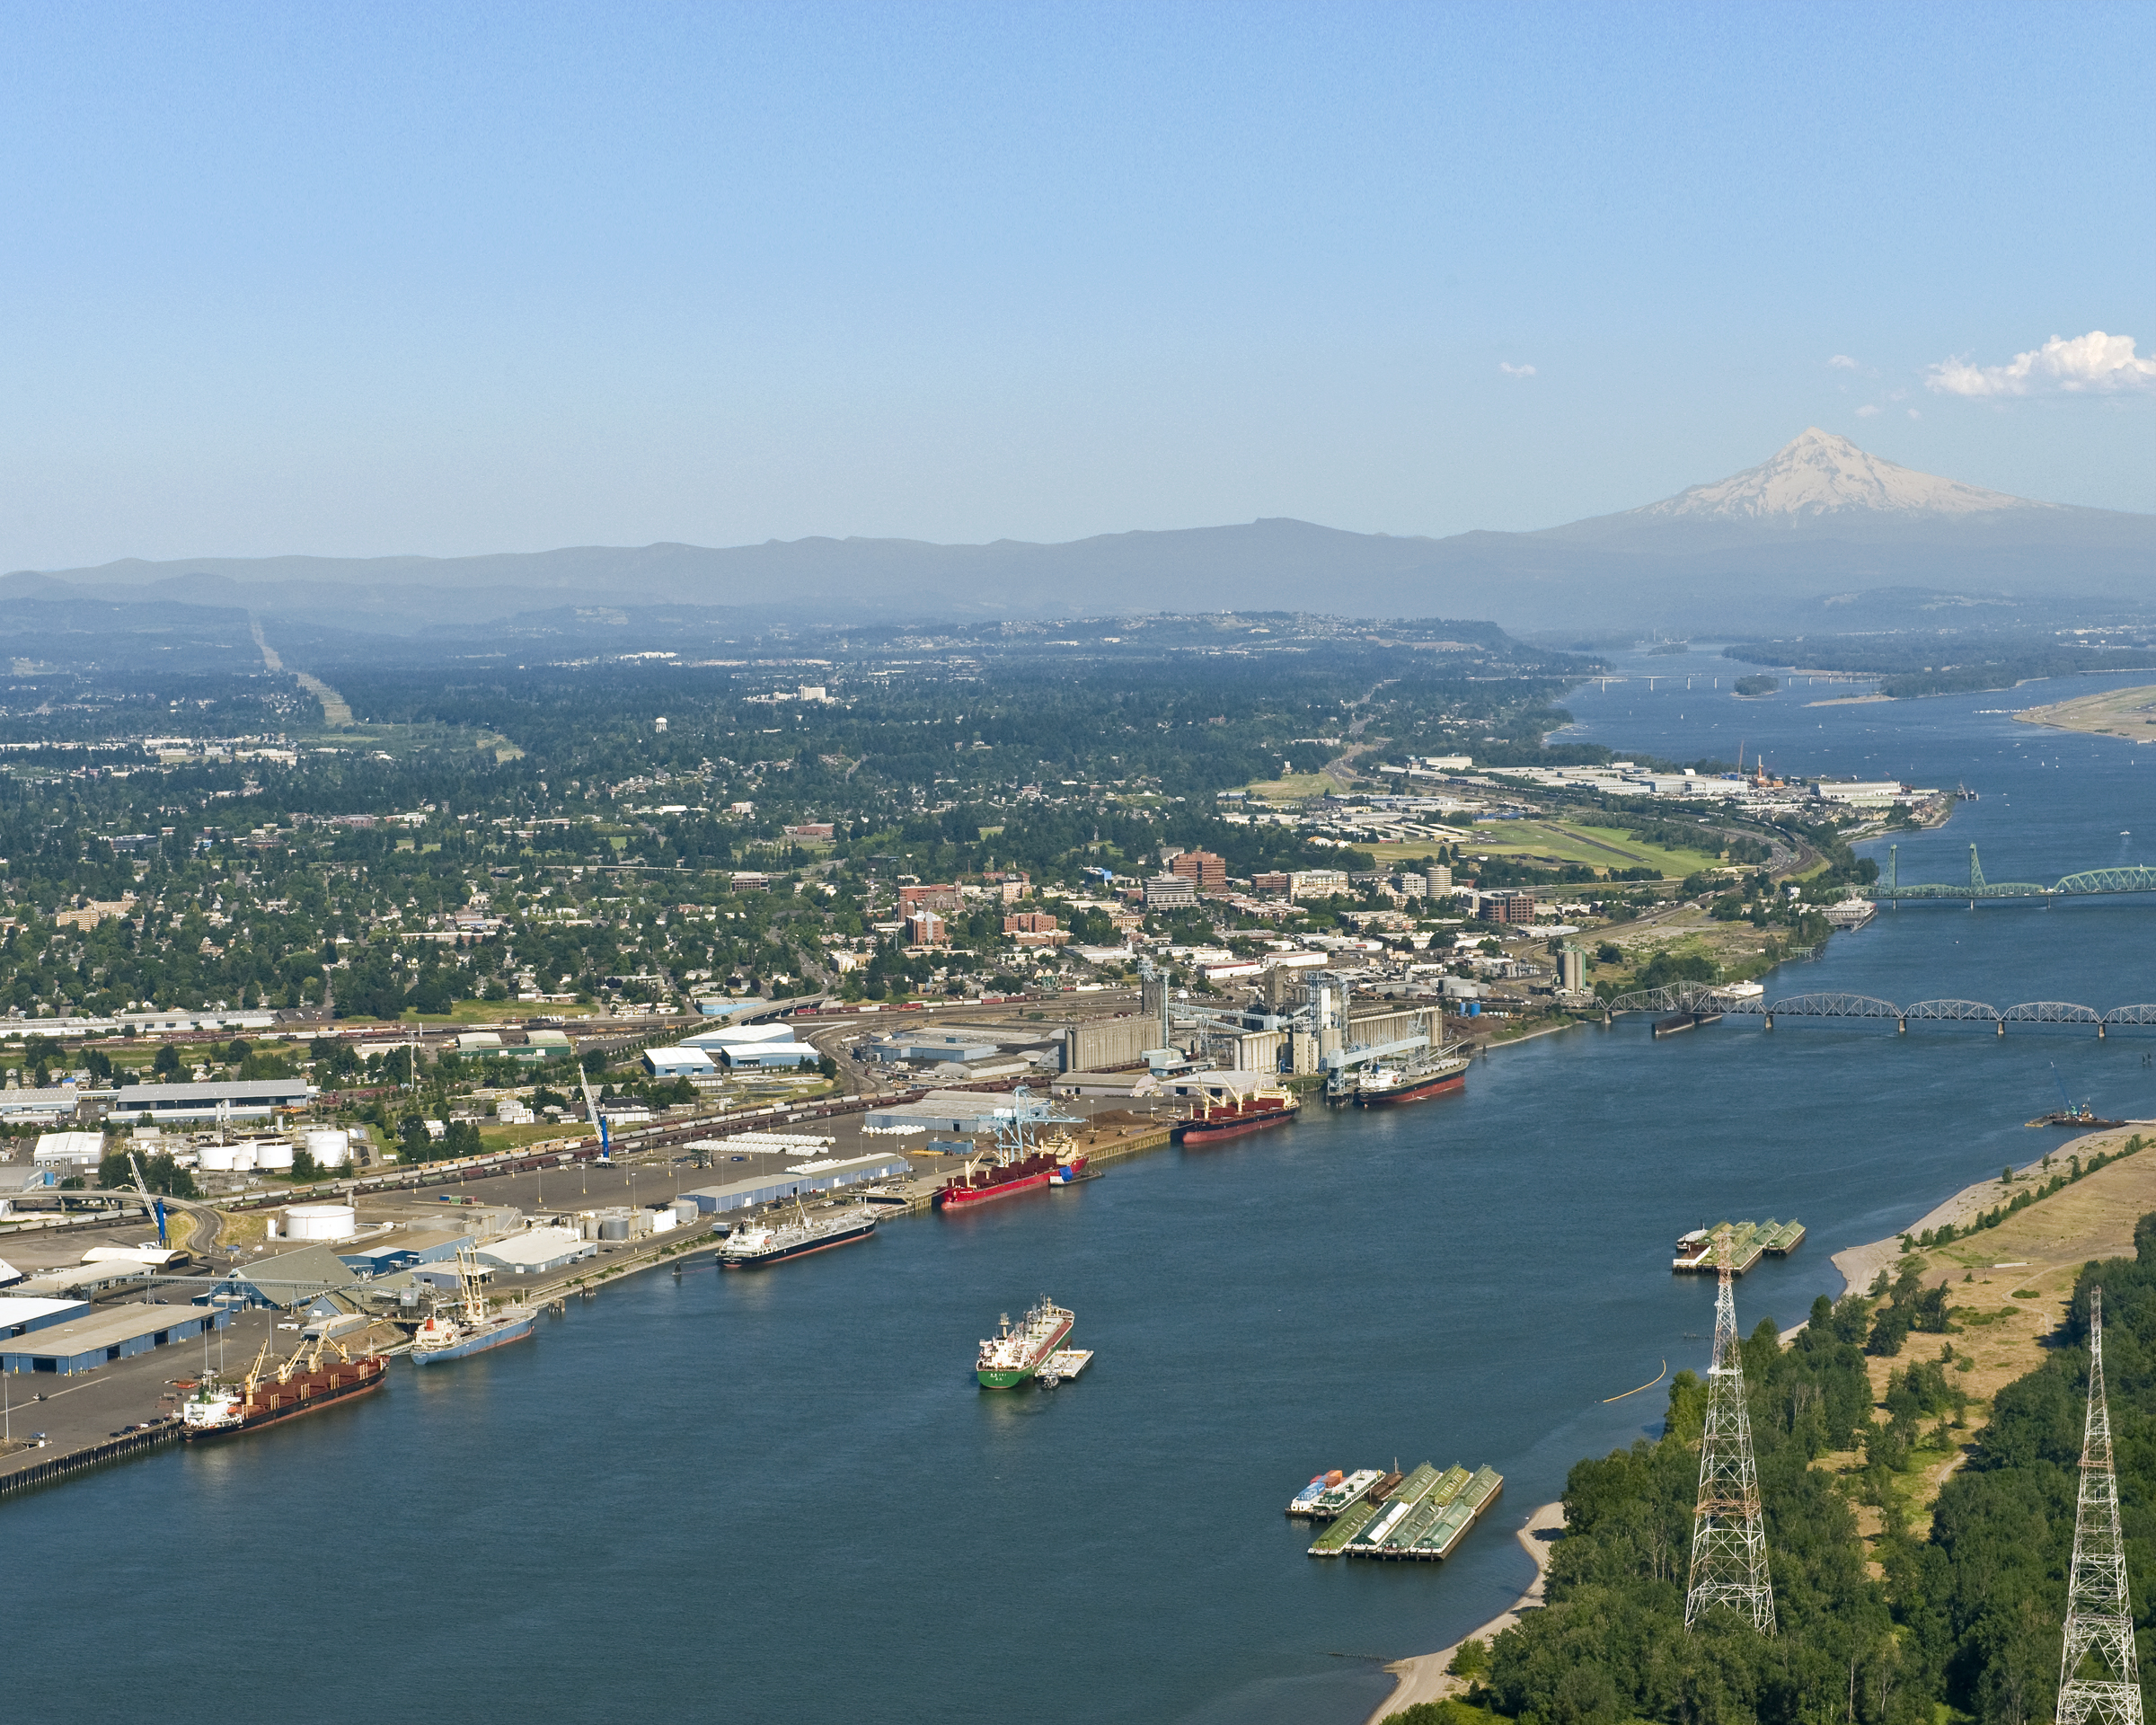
243,1158
321,1222
615,1227
685,1211
330,1146
272,1154
218,1158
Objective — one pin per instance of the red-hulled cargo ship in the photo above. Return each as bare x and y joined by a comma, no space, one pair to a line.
980,1182
1214,1122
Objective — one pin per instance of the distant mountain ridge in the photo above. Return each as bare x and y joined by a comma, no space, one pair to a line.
1764,548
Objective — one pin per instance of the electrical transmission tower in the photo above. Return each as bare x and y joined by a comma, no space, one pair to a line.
1728,1534
2097,1677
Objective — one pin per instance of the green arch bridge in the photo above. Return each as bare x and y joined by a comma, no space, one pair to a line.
2089,881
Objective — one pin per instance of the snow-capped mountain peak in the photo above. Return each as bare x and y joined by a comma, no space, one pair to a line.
1819,474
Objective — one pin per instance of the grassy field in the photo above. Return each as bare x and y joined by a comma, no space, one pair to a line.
1553,842
1292,789
507,1137
492,1012
2008,1289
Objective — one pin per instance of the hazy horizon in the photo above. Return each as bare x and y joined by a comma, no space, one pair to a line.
502,280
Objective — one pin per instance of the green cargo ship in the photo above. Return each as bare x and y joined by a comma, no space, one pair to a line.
1013,1356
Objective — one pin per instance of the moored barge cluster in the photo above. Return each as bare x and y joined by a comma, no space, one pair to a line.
1421,1516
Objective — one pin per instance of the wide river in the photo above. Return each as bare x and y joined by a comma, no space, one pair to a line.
780,1497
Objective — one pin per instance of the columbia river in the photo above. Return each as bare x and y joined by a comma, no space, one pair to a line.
780,1497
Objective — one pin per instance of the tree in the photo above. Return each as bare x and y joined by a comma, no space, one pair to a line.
166,1061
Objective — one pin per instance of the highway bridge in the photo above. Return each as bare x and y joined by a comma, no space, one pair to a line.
1707,997
2089,881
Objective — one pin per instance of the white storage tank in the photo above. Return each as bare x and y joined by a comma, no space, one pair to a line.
330,1146
218,1158
273,1153
243,1158
321,1222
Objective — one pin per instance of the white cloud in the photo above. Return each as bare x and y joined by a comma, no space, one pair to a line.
1915,414
1515,371
1843,362
1866,411
2095,361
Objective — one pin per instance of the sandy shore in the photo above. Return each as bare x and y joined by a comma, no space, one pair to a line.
1860,1265
2129,714
1423,1676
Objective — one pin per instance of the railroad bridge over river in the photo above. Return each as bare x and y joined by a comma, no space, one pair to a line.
2089,881
1707,997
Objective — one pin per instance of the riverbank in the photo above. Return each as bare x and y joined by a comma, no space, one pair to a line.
1860,1265
1423,1676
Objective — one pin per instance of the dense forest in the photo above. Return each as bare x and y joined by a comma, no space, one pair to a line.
1961,1620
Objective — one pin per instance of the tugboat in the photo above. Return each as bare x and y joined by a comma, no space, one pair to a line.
1010,1357
1433,1075
1019,1161
1253,1113
475,1326
752,1246
268,1395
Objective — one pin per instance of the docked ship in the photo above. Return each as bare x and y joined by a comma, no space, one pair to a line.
474,1325
1214,1122
1384,1086
1019,1160
751,1246
1012,1356
267,1395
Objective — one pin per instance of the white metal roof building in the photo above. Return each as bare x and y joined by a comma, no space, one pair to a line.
770,1054
19,1317
254,1100
679,1063
747,1194
71,1149
536,1251
847,1171
731,1034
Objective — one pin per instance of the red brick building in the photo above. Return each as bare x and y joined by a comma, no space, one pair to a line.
1207,871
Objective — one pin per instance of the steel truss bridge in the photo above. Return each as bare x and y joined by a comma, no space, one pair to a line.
2089,881
1705,997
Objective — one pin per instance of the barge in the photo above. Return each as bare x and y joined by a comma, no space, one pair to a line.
1749,1243
1423,1518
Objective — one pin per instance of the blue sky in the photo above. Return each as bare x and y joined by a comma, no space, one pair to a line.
445,278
